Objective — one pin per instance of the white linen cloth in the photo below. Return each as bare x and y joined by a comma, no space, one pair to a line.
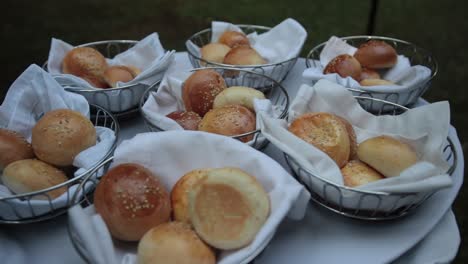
165,154
34,93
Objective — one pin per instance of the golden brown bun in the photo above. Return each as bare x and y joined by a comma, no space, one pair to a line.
200,90
214,52
29,175
131,201
376,54
344,65
86,63
13,147
357,173
234,39
243,55
369,74
229,120
117,73
228,207
187,120
387,155
326,132
179,194
173,243
353,145
240,95
62,134
374,82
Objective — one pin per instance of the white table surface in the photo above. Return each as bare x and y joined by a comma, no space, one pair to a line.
48,242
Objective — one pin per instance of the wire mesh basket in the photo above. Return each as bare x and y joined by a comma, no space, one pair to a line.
366,205
272,89
277,71
12,213
415,54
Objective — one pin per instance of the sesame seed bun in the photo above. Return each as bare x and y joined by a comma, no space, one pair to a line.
187,120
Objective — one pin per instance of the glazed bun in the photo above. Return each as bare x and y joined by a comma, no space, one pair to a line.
131,200
369,74
86,63
13,147
118,73
344,65
357,173
376,54
62,134
243,55
234,39
200,90
375,82
239,95
228,207
326,132
29,175
387,155
229,120
187,120
214,52
173,243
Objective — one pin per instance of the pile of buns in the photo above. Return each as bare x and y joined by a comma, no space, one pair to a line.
371,160
212,208
57,138
370,58
90,65
211,106
232,48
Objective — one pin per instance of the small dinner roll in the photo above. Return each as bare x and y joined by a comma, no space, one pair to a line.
344,65
131,200
387,155
326,132
228,207
86,63
62,134
356,173
214,52
234,39
376,54
353,145
13,147
229,120
173,243
375,82
117,73
369,74
239,95
187,120
243,55
30,175
200,90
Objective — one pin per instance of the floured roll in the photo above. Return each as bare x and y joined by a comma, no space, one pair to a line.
238,95
214,52
357,173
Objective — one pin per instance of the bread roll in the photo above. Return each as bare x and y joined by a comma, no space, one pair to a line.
214,52
62,134
229,120
134,70
13,147
234,39
86,63
243,55
326,132
369,74
344,65
173,243
200,90
228,207
187,120
374,82
117,73
376,54
30,175
387,155
357,173
131,201
353,145
239,95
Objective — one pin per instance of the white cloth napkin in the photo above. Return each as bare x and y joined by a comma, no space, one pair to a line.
166,155
425,128
34,93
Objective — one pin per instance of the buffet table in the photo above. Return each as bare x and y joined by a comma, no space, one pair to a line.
429,235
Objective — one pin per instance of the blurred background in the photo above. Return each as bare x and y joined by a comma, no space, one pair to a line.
439,26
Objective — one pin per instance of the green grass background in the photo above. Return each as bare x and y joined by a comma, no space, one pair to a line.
27,26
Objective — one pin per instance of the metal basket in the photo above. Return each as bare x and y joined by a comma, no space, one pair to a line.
415,54
100,117
272,89
365,205
277,71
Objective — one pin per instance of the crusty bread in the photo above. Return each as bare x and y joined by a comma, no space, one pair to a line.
233,39
87,63
356,173
238,95
376,54
13,147
344,65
